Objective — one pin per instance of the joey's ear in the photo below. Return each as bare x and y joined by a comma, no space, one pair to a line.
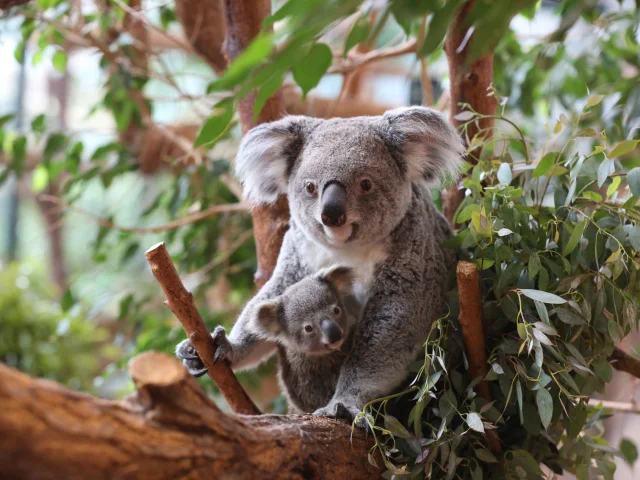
340,277
265,318
423,142
267,155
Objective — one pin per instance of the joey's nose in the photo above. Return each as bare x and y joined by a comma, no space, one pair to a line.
334,205
331,331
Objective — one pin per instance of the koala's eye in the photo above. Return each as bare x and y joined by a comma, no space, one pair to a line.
366,185
308,328
310,187
336,311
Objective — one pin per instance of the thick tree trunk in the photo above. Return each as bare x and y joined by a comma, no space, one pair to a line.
469,85
243,19
168,429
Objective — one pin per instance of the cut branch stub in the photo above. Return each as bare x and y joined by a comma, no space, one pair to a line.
473,332
180,301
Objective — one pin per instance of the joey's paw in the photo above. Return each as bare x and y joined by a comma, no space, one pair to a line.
224,350
343,409
190,359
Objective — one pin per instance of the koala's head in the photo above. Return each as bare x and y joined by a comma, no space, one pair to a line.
348,180
311,316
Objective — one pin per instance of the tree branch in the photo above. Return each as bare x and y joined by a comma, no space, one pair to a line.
168,429
473,332
180,302
355,61
469,85
180,222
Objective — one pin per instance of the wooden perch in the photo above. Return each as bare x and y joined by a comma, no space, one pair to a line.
180,301
473,332
168,429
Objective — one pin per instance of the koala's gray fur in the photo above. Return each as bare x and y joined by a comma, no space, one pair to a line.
391,238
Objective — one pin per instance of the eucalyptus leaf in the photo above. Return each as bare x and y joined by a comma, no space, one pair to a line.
475,422
543,297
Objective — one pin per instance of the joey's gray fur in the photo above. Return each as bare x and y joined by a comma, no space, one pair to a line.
382,167
311,324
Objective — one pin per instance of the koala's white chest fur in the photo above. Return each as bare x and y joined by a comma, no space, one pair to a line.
362,262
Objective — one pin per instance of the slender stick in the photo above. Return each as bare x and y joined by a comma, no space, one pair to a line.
180,301
623,407
473,334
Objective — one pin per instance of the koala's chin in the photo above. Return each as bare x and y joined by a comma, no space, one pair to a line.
338,236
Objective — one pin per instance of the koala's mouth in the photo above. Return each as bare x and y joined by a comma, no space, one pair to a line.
340,235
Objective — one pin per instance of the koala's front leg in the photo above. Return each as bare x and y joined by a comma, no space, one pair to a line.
390,334
242,347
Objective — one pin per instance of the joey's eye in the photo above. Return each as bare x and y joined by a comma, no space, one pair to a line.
336,311
366,185
310,187
308,328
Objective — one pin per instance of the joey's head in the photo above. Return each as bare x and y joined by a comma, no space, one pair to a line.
348,180
312,316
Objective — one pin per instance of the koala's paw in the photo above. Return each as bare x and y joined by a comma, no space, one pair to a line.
190,359
343,409
224,350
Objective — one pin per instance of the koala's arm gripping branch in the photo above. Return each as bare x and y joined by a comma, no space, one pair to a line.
180,301
473,332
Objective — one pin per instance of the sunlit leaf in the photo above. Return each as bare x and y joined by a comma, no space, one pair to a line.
475,422
59,60
544,297
309,70
623,148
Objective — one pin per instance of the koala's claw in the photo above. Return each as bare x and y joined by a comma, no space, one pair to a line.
190,358
223,347
343,410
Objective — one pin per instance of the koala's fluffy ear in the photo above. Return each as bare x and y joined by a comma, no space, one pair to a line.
424,143
265,319
340,277
267,155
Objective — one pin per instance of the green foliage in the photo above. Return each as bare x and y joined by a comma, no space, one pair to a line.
42,339
559,257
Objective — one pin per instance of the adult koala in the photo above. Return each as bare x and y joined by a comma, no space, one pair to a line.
358,194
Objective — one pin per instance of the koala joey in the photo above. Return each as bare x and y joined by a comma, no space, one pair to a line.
358,191
311,324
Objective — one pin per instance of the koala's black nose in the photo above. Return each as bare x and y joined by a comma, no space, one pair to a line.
334,205
332,332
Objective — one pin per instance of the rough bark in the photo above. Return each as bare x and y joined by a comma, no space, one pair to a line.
180,302
243,20
473,332
469,85
168,429
204,27
52,216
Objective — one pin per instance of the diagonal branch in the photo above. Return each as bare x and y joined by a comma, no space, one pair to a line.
180,301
